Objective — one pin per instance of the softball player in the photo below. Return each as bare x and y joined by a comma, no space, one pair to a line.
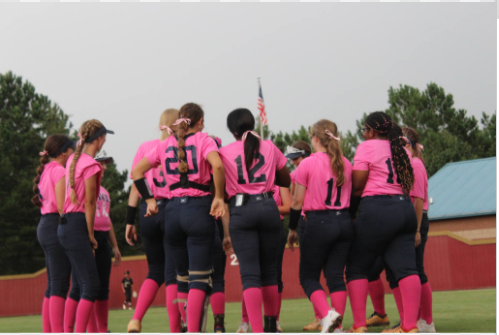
255,225
83,175
159,260
386,223
323,188
49,197
186,160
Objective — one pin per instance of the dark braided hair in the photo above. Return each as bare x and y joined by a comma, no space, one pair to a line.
381,123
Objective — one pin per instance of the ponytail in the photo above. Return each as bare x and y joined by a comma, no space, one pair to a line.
36,198
183,167
413,139
327,133
189,115
251,149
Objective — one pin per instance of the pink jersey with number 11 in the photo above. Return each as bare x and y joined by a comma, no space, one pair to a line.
261,176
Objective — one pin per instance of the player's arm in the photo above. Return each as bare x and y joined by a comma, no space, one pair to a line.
60,193
282,177
295,213
286,201
114,245
218,204
227,243
90,206
133,203
123,287
359,180
418,207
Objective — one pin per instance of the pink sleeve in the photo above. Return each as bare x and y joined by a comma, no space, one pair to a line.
91,170
362,159
419,179
301,173
209,145
280,158
58,174
154,156
138,156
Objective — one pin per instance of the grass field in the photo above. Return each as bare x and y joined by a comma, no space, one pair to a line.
454,312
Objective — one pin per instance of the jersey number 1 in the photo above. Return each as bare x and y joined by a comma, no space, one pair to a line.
390,172
330,184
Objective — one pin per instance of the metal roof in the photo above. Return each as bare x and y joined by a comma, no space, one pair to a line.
463,189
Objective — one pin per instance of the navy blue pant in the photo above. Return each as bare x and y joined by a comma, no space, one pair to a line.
385,226
326,239
56,260
190,235
280,256
73,236
159,260
103,261
219,260
255,231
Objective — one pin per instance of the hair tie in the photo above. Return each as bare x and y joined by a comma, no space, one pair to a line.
166,128
188,121
421,146
331,136
81,139
254,133
44,153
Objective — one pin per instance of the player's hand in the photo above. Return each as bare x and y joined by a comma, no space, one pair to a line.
130,234
117,256
217,207
227,243
418,239
292,239
93,242
152,208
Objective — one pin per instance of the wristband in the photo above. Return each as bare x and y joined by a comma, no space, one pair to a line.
130,215
143,188
354,205
294,218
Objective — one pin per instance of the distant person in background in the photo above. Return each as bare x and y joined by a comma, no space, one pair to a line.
127,285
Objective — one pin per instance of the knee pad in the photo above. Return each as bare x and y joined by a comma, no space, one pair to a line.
201,280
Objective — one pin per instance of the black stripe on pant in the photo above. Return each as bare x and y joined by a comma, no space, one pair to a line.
56,260
326,237
255,230
385,226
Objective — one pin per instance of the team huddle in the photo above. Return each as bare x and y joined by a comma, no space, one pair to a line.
202,201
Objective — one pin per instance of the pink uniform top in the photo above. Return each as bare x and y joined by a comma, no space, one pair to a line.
51,175
375,156
420,189
197,147
102,219
262,172
85,168
293,176
322,193
154,177
277,198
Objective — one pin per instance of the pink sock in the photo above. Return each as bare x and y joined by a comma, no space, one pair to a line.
194,309
410,288
244,311
181,304
316,312
377,293
270,297
398,301
426,303
83,313
253,302
279,303
217,301
339,301
146,296
319,300
101,309
46,315
357,290
92,323
172,308
69,315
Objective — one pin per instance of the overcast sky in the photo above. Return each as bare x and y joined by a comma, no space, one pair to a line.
125,63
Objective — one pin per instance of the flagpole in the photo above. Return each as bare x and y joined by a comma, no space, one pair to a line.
261,123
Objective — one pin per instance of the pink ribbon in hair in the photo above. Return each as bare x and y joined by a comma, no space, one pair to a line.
44,153
254,133
166,128
331,136
188,121
81,139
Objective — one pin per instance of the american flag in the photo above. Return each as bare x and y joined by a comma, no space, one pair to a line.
261,105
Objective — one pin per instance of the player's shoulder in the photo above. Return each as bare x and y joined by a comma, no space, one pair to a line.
229,147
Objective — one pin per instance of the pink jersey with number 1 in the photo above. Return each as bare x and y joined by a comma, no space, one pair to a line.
52,174
85,168
102,220
154,177
375,156
197,147
322,193
262,172
420,189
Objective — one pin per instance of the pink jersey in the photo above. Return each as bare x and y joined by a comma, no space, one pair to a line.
277,198
262,172
197,147
375,156
316,175
293,176
154,177
51,175
85,168
420,189
102,219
